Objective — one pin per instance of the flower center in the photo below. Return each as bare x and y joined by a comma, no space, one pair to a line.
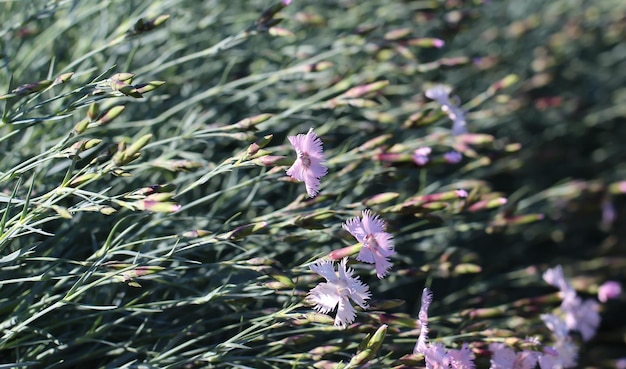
306,160
370,242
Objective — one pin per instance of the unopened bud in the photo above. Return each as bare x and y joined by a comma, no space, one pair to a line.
92,111
142,88
123,77
362,90
110,115
81,126
81,179
254,148
124,88
427,42
398,34
32,87
273,160
156,206
371,347
345,252
487,204
315,220
243,231
62,78
196,233
381,198
251,122
617,188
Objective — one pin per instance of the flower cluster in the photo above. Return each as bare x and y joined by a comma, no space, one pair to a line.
376,248
580,315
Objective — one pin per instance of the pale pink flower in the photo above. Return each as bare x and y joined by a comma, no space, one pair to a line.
441,94
309,165
422,317
462,358
564,352
377,244
581,316
420,156
556,278
609,290
453,157
340,287
436,355
505,358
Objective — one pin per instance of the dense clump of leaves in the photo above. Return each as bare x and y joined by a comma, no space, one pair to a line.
147,219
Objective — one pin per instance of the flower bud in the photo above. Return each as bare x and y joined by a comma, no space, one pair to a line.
110,115
62,78
251,122
142,88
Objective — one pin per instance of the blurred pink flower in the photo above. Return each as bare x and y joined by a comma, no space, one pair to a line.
609,290
453,157
564,352
436,355
462,358
505,358
556,278
420,156
441,94
581,316
422,317
309,165
340,286
377,244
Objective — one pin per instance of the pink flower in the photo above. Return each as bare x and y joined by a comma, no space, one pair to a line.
436,355
340,286
441,94
422,317
420,156
505,358
309,165
609,290
377,244
462,359
555,278
453,157
581,316
563,353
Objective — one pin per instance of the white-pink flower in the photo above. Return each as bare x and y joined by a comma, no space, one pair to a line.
441,94
461,359
436,355
340,286
556,278
505,358
422,317
564,352
309,165
581,316
377,244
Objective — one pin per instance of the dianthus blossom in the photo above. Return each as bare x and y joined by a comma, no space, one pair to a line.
441,94
340,287
377,244
309,165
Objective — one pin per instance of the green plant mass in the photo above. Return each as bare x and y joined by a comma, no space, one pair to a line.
312,184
